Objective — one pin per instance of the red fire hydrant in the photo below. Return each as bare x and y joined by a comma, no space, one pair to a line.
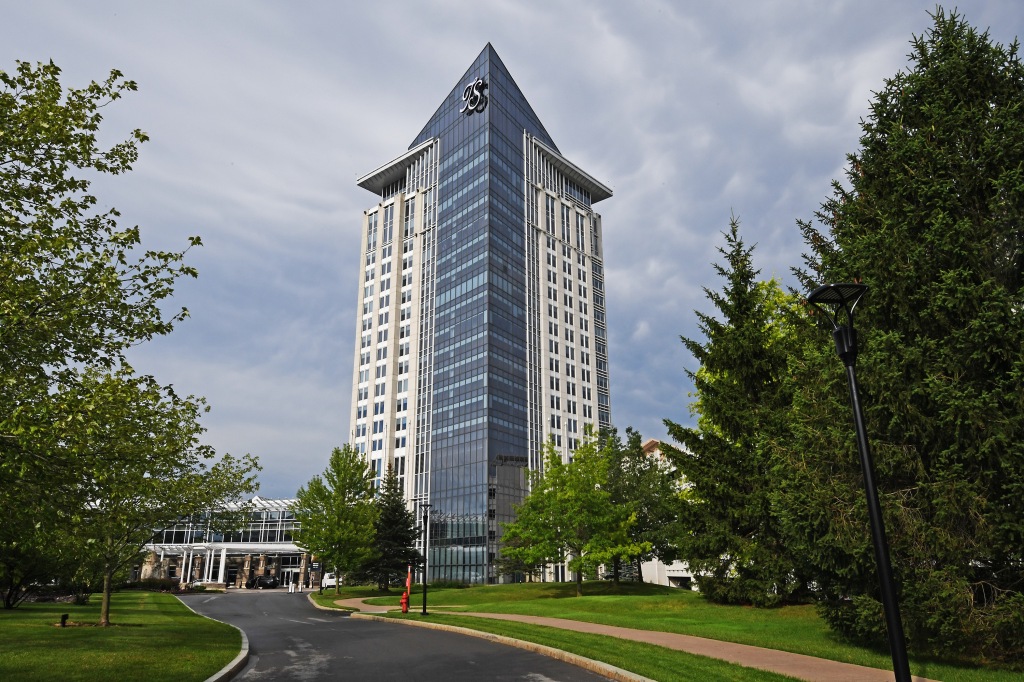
405,602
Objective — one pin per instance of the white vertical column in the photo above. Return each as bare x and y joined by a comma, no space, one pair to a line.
182,566
187,571
223,564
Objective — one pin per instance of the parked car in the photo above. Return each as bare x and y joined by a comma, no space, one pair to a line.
263,581
330,580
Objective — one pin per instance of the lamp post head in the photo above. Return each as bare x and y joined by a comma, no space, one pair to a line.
837,297
834,300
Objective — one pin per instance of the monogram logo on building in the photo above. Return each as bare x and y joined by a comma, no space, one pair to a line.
474,97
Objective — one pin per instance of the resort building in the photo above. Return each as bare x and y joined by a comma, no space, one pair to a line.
197,550
481,329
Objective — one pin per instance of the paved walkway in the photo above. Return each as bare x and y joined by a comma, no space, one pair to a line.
798,666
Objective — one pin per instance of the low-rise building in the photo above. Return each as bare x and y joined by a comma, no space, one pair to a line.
195,550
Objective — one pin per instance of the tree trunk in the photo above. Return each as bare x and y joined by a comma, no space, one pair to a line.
579,583
105,603
639,571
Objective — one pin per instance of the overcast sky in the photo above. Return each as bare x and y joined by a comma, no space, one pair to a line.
263,114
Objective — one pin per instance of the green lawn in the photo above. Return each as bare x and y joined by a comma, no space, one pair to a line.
650,607
153,638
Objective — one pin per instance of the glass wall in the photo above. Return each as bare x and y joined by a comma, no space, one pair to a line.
478,413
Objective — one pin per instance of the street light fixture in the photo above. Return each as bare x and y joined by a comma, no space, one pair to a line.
426,551
836,302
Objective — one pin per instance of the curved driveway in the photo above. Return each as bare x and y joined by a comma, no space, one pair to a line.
289,639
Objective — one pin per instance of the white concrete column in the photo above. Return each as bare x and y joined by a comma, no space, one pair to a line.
181,565
223,563
208,572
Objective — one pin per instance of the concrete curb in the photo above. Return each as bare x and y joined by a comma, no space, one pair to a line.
590,664
240,661
336,609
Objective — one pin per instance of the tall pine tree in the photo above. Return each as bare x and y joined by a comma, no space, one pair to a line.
731,538
395,533
932,219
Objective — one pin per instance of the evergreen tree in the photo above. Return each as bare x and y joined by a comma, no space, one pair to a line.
932,219
395,533
732,540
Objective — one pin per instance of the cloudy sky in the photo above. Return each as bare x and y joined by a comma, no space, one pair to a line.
263,114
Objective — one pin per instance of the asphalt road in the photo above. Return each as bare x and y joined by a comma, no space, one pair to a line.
291,640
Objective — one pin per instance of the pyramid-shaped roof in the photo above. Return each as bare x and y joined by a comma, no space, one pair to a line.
503,94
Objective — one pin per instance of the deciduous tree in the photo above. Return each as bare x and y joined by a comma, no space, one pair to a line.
146,469
336,512
648,487
569,515
76,290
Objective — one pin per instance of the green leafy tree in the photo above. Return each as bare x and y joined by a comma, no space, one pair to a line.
395,534
569,515
732,540
147,468
76,291
74,288
932,219
647,487
139,467
336,512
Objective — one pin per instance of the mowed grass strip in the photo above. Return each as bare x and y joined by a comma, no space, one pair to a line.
797,629
154,637
656,663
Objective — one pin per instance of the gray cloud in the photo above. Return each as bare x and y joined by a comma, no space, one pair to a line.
263,114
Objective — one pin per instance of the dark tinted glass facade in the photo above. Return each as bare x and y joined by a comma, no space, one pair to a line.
479,419
470,302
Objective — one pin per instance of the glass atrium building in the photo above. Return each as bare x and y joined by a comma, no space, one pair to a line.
481,331
197,549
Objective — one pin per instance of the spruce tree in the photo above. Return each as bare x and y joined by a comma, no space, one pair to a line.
931,218
395,533
731,538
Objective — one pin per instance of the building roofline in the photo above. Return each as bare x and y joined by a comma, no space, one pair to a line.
375,181
598,190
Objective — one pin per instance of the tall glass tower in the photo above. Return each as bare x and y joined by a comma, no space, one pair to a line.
482,331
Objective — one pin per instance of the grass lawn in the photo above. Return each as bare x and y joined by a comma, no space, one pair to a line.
153,637
657,663
651,607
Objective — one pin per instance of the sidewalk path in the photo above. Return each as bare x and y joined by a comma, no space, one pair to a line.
798,666
358,605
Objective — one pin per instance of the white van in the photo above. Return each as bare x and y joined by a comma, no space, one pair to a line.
329,580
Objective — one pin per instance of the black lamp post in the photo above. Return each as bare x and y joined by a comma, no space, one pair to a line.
426,551
835,301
